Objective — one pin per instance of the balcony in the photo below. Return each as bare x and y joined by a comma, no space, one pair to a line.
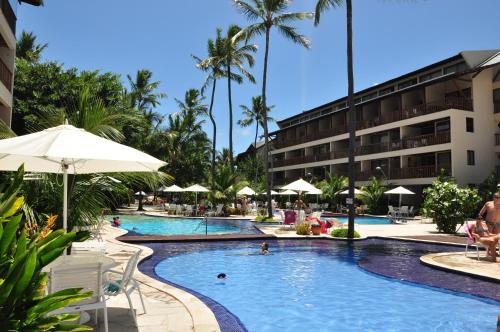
5,75
302,160
405,143
406,173
9,15
407,113
497,139
496,106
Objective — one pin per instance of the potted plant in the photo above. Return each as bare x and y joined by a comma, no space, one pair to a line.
316,229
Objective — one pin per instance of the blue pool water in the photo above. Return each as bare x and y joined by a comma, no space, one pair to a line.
363,220
320,287
146,225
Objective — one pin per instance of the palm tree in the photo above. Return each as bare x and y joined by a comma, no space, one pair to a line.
192,104
254,114
321,6
27,48
332,186
269,14
142,95
235,56
373,196
213,66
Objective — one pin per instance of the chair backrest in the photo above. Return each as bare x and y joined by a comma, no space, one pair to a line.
468,231
219,208
290,217
128,273
87,276
404,209
391,208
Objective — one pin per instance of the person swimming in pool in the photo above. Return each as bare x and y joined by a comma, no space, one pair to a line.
221,276
264,248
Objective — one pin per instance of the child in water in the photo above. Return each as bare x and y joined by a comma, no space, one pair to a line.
264,248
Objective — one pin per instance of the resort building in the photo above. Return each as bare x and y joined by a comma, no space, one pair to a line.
445,116
8,54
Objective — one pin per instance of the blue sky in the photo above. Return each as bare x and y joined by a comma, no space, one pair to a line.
391,37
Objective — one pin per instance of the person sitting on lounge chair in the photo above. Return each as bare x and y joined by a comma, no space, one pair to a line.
483,236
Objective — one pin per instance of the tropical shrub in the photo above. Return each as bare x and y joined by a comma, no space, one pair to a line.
448,204
342,232
332,186
24,252
373,196
303,229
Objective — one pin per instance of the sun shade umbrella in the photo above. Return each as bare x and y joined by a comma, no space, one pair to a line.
399,191
272,193
172,189
300,186
246,191
196,188
140,193
67,150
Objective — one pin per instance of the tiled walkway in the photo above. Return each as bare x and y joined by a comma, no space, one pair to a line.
168,308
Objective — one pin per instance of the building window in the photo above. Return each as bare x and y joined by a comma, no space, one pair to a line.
406,84
430,76
462,66
469,125
496,100
471,158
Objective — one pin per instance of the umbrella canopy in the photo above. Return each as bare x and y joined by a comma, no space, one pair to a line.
356,192
196,188
272,193
400,190
140,193
287,192
300,186
69,150
246,191
315,192
172,189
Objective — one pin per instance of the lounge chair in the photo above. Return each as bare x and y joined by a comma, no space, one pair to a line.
290,218
403,212
364,208
86,276
189,210
411,212
178,210
125,283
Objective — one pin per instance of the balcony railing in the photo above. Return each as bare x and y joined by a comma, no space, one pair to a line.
497,139
407,113
5,75
302,159
9,14
406,173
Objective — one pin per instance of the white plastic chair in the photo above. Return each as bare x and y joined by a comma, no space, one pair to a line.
404,211
86,276
391,212
189,210
178,210
127,284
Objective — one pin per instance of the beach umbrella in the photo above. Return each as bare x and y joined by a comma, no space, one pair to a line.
172,189
246,191
399,191
272,193
67,150
300,186
196,188
140,193
287,192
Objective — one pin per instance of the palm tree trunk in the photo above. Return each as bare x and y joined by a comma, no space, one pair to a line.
230,117
255,147
214,135
352,120
266,131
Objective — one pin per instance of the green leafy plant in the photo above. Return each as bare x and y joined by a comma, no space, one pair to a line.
448,204
303,229
332,186
263,219
24,252
342,232
373,196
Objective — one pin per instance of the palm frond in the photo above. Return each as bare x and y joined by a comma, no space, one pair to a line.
290,33
5,131
324,5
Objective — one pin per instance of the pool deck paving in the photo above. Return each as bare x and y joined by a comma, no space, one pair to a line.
168,308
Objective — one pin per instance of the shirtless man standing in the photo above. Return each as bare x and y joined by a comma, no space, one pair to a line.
491,214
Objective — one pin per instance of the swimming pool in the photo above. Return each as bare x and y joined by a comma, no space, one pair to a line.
362,220
147,225
320,285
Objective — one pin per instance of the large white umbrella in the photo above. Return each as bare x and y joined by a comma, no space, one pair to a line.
196,188
246,191
399,191
172,189
272,193
300,186
140,193
69,150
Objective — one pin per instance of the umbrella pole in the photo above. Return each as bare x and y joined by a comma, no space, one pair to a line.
65,196
195,202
